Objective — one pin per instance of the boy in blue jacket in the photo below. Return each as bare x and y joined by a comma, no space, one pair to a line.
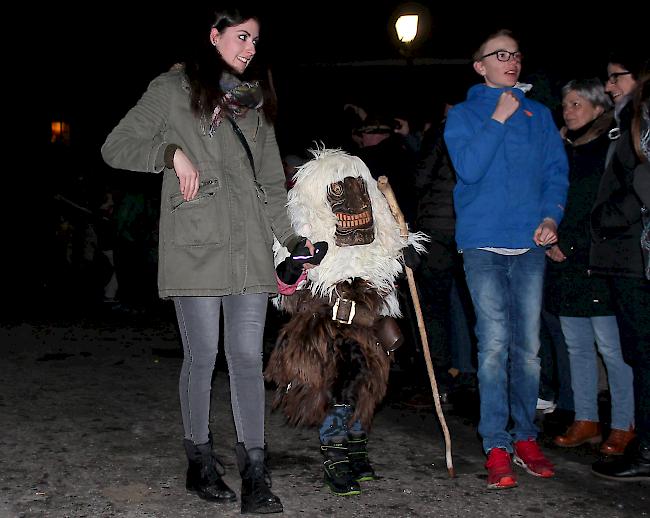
509,199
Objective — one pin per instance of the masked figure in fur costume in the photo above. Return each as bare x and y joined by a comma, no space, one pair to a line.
330,364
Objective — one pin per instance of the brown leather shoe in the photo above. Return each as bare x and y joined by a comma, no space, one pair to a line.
617,441
579,433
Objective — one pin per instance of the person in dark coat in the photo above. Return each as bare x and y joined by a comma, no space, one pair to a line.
641,138
385,154
582,301
616,227
441,268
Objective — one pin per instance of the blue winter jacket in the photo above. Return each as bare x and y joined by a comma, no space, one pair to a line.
510,176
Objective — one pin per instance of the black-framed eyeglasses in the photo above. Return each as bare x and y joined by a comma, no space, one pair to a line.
504,55
612,78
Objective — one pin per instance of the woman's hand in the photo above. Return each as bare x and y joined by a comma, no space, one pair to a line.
555,254
188,176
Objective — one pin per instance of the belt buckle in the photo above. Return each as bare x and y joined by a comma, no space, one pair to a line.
335,311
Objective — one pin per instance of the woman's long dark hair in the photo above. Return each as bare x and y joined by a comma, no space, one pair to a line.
204,69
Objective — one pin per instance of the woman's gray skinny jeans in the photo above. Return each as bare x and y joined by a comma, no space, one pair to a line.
198,320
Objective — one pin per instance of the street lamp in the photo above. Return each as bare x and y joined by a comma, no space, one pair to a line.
406,27
409,25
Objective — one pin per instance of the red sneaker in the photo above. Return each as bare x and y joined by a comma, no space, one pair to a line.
499,467
530,457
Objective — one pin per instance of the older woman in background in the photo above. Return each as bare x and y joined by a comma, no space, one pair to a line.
582,301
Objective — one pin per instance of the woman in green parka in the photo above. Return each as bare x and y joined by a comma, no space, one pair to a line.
223,200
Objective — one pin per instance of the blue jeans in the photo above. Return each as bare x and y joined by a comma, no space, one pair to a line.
507,294
460,339
335,425
556,362
579,334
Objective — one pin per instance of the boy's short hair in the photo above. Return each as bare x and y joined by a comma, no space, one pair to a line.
480,52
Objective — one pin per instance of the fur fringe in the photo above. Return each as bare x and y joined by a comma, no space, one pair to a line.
314,354
379,262
313,350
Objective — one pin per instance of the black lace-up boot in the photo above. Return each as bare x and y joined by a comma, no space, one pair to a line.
256,495
338,473
360,465
204,473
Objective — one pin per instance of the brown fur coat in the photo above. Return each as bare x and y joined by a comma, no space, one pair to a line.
318,361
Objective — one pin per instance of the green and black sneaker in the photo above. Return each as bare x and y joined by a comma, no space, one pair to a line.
338,473
362,470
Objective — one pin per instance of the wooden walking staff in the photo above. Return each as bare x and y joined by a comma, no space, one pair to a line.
385,188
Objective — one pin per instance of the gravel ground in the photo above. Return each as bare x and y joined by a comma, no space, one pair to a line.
90,427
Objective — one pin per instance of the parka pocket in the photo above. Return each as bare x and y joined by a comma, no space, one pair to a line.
196,222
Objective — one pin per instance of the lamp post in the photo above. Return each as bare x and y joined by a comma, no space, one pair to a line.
410,24
406,27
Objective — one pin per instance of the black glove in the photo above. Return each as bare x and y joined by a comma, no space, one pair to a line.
290,269
411,258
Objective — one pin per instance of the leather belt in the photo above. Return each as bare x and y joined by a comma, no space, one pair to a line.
343,310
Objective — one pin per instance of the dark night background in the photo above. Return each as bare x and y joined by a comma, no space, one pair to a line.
97,62
104,61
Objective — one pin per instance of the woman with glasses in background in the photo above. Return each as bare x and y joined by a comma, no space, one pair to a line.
616,226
